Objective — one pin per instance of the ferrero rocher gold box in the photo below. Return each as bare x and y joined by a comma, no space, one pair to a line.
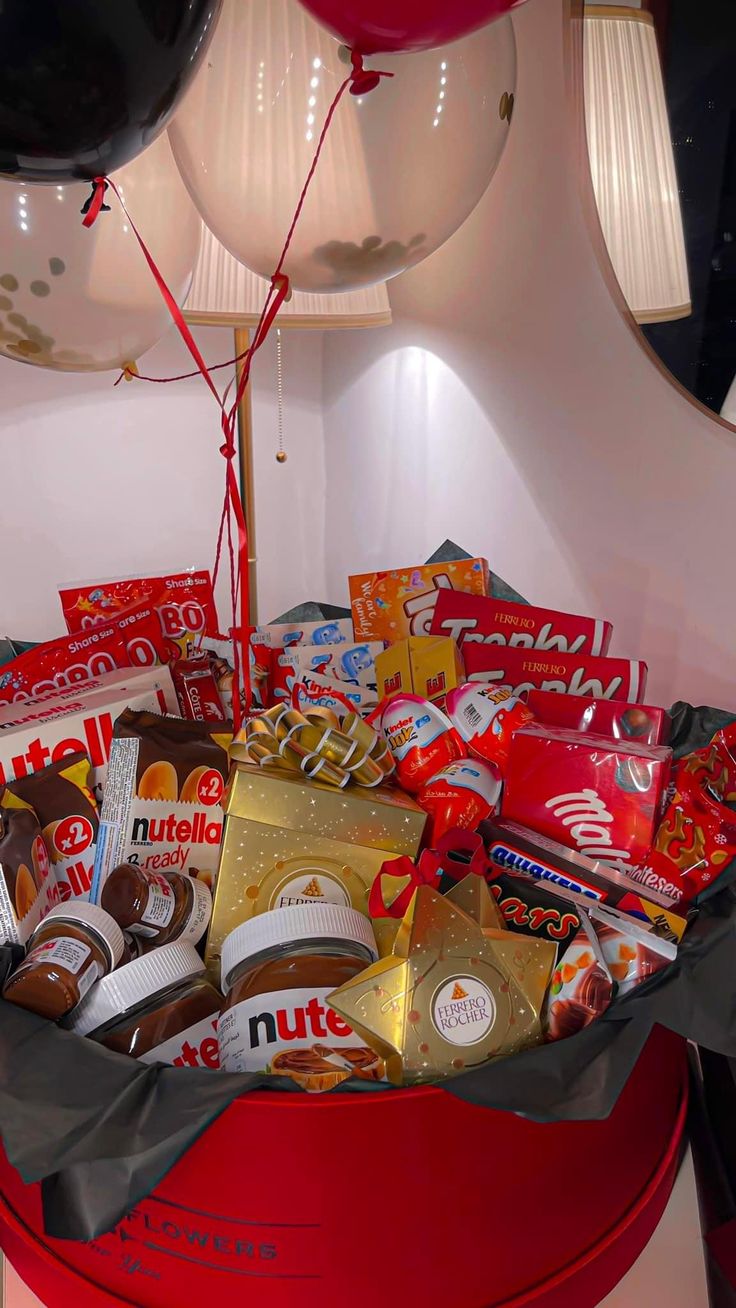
289,840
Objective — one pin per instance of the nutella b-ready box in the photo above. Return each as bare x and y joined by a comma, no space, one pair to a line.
162,808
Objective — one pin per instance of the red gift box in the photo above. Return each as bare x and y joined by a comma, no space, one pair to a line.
521,670
604,717
475,619
601,797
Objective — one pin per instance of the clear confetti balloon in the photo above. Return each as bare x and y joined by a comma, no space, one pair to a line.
402,165
83,299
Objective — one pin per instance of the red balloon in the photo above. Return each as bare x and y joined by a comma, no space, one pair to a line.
393,26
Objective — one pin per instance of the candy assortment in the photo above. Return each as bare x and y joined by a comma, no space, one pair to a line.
447,831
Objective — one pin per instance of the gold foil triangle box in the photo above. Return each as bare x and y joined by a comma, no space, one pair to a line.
445,1003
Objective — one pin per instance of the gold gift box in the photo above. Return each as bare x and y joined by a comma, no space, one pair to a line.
287,837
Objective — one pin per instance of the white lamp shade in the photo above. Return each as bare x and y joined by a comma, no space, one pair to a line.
226,293
632,163
729,404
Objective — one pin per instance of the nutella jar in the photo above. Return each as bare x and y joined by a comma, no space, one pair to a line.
74,946
133,947
159,908
158,1009
277,971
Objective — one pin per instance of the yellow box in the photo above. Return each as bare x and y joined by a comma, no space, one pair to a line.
392,605
420,665
291,839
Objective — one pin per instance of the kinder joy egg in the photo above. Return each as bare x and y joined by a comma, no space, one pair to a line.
421,739
461,795
486,718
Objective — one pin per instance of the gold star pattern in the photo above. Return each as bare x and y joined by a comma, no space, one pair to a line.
530,960
405,1008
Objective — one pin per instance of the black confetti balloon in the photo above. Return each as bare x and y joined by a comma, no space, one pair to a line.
86,85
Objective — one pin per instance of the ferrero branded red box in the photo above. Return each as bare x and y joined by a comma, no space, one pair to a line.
567,674
604,717
599,796
80,721
474,618
392,605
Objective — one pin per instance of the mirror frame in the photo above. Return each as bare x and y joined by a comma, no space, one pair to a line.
574,19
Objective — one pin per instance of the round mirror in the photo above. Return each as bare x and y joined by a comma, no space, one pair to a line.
660,116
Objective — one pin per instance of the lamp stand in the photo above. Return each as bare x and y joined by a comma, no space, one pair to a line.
247,480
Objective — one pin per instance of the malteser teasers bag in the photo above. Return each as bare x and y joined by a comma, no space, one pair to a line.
162,807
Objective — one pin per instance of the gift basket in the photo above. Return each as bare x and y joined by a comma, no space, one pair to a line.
388,988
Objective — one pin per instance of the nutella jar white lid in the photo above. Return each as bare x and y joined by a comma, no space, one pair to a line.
287,926
90,915
132,984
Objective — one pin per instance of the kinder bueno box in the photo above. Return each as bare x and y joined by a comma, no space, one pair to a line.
474,618
599,796
604,717
582,882
79,721
333,631
184,603
162,809
132,640
421,739
392,605
520,671
354,664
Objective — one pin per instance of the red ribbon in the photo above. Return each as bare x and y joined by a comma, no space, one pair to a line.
458,854
360,82
426,872
94,204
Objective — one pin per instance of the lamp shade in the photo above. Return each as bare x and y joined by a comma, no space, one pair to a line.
632,162
226,293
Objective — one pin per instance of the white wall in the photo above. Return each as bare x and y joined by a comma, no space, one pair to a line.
511,408
100,482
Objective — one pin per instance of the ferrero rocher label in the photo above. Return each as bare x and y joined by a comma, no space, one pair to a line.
445,1001
529,959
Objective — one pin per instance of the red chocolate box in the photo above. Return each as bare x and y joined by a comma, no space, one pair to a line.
640,722
567,674
474,619
599,796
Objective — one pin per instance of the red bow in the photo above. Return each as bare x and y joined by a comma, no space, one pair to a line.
458,854
426,872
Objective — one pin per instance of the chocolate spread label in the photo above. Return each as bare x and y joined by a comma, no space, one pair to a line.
255,1034
65,951
463,1010
159,908
195,1047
